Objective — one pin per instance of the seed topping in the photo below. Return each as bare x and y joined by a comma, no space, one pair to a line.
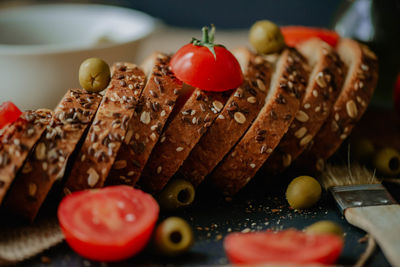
239,117
351,109
93,177
145,117
302,116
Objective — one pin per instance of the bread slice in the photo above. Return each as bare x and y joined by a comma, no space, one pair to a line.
108,130
359,85
324,84
49,159
156,104
235,118
17,141
181,135
282,102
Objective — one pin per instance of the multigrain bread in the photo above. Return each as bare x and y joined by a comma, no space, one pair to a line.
108,129
181,135
155,106
324,85
235,118
49,159
17,141
282,102
358,87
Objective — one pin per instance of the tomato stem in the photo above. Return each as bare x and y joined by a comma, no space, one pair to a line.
207,39
205,34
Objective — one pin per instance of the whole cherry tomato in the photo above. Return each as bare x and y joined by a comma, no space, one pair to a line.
296,34
109,224
205,65
8,113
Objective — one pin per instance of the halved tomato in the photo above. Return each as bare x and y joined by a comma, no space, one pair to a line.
296,34
289,247
8,113
109,224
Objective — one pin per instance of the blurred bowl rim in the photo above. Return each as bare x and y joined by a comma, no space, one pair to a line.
46,49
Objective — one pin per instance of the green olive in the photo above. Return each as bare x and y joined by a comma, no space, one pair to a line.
303,192
266,37
177,194
324,227
387,161
94,75
362,149
173,236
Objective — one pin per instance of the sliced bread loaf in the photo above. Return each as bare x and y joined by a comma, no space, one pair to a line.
324,85
108,130
17,141
181,135
358,87
235,118
281,105
155,106
49,159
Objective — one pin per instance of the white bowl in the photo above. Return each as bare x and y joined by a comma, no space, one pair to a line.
42,46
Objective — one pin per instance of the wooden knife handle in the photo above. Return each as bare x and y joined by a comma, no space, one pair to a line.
383,223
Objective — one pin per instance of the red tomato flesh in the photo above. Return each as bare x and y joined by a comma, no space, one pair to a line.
8,113
294,35
287,246
108,224
196,66
396,95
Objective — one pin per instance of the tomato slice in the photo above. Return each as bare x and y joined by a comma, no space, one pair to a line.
296,34
108,224
207,66
289,246
8,113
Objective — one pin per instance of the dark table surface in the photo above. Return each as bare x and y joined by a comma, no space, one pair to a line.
260,206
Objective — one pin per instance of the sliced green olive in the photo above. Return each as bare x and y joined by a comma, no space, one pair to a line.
362,149
177,194
173,236
303,192
325,227
94,75
266,37
387,161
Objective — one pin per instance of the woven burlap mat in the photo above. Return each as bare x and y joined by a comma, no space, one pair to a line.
22,241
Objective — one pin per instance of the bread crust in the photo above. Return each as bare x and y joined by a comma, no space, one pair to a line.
182,134
108,129
282,103
155,106
235,118
17,141
324,85
49,159
358,88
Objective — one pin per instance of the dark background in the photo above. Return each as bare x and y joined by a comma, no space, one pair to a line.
236,13
374,22
228,13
